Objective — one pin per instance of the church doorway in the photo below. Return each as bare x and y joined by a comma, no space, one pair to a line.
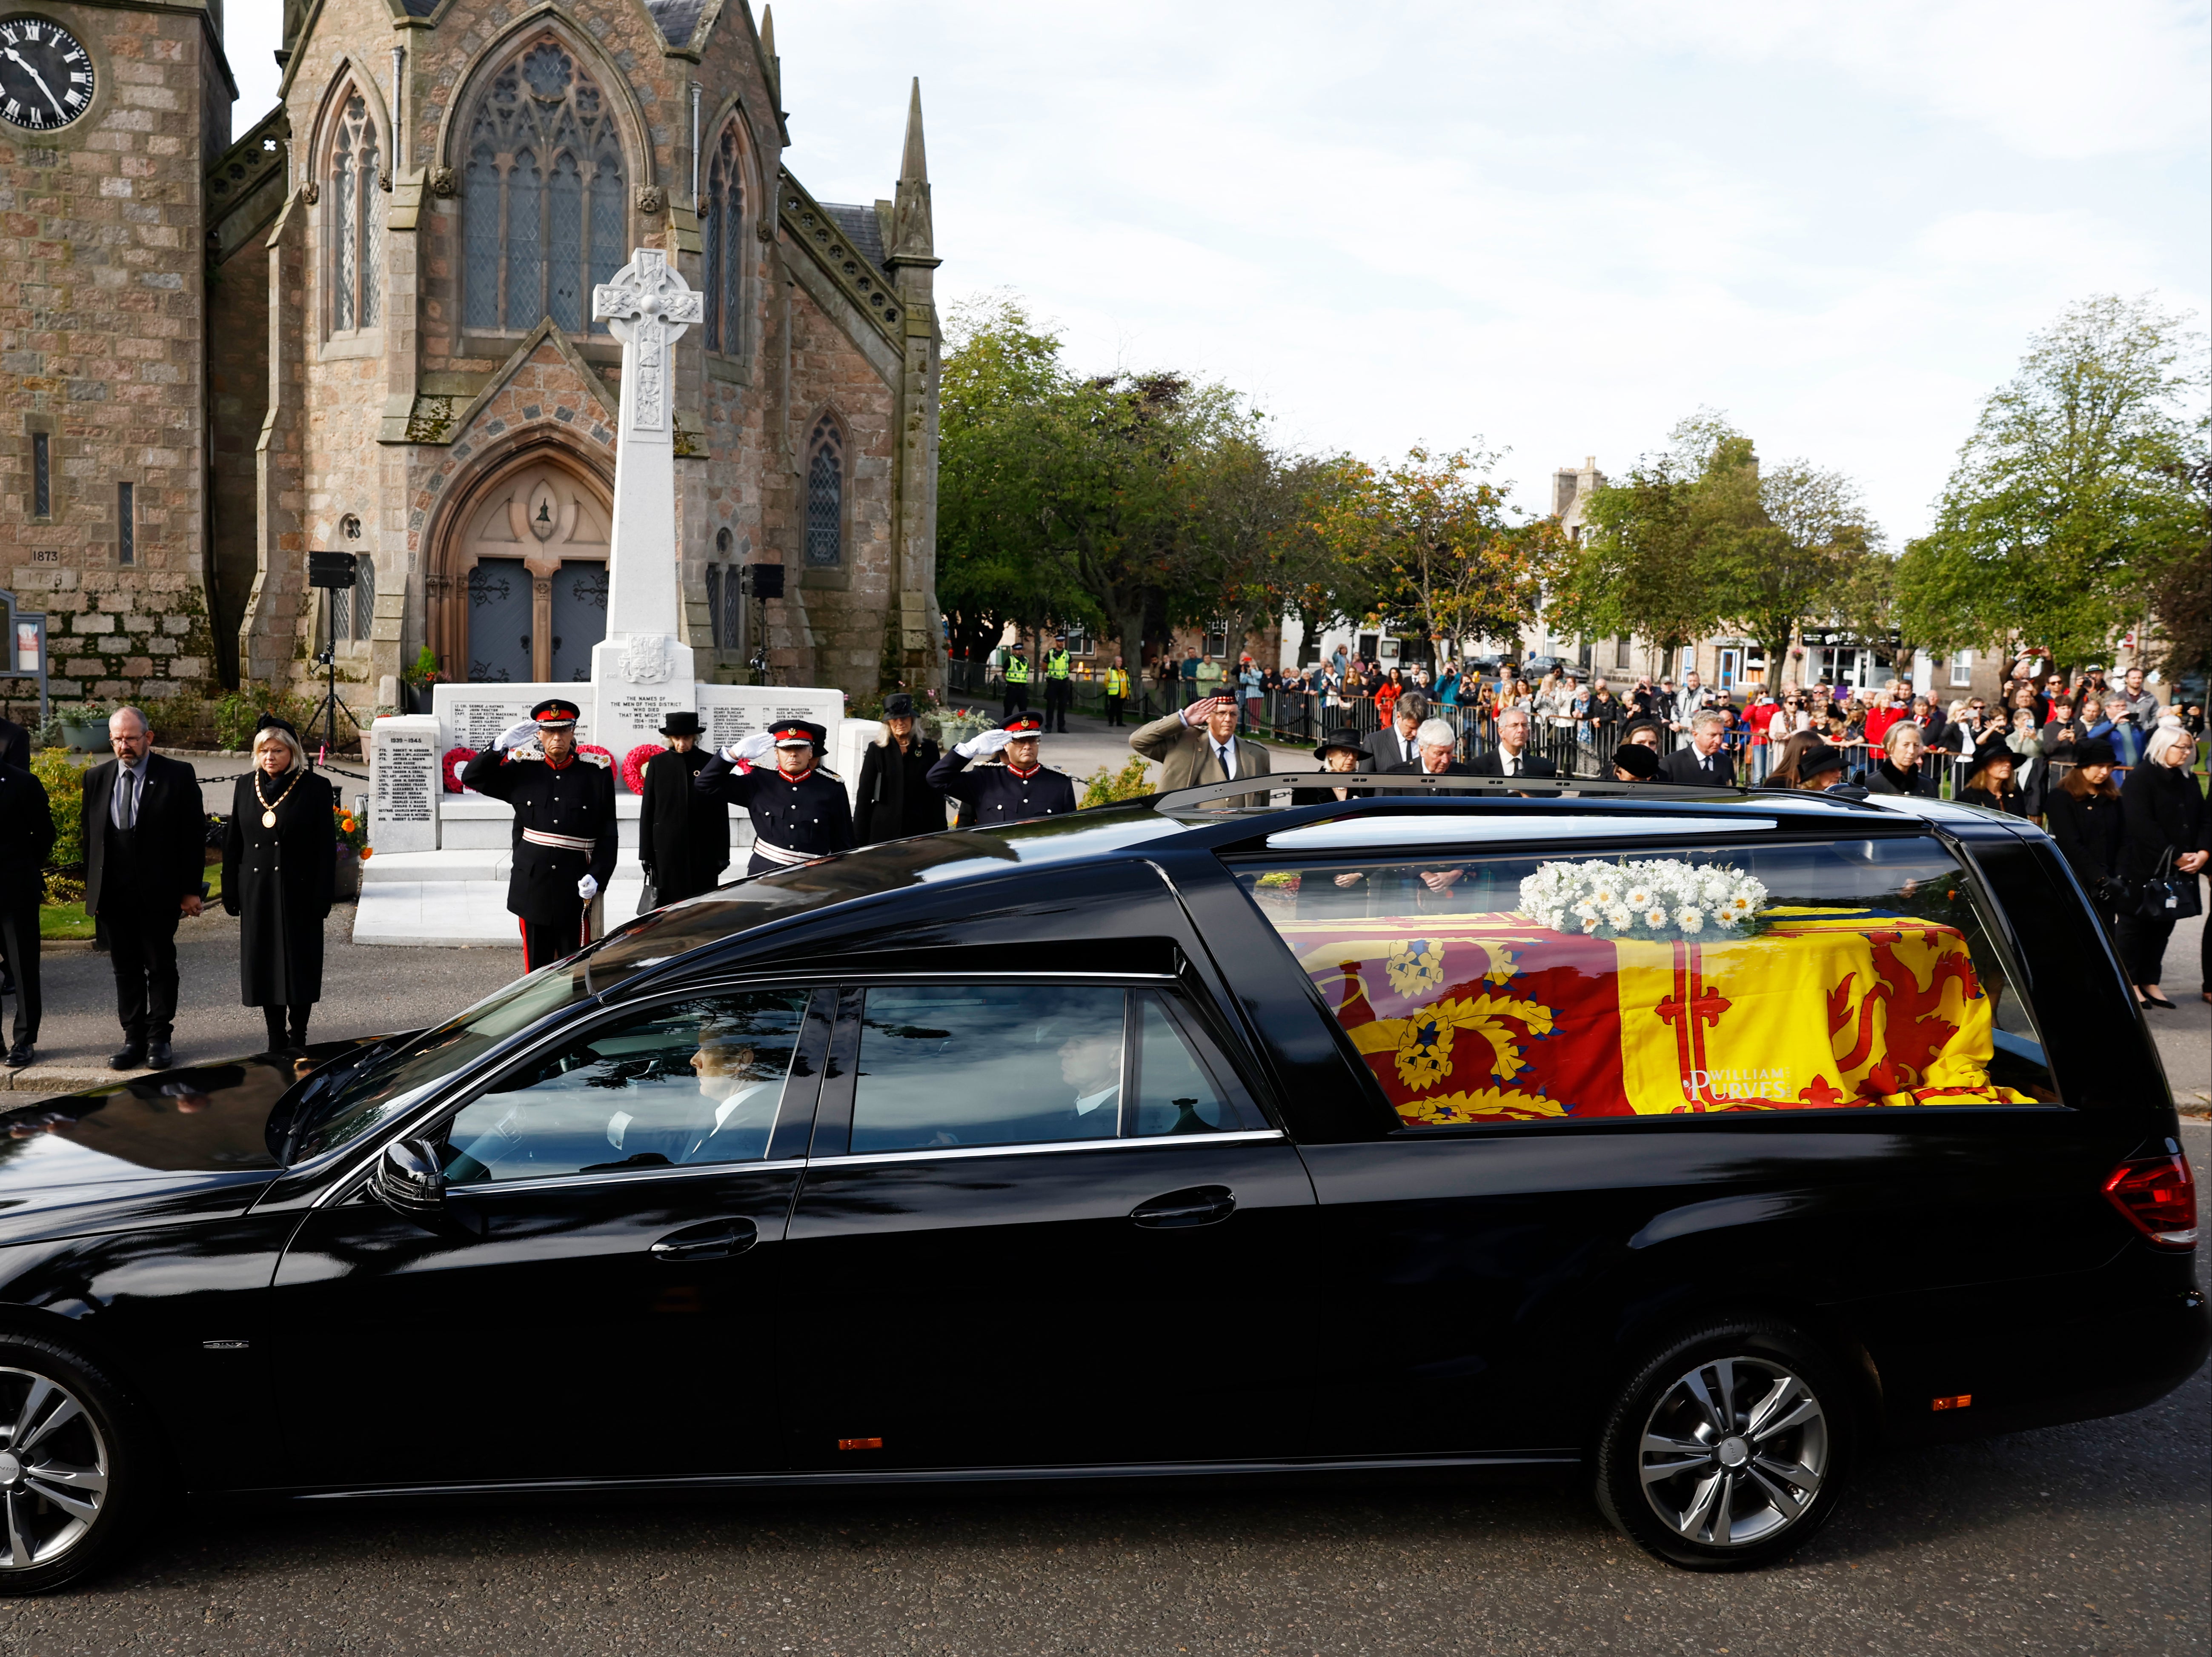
520,592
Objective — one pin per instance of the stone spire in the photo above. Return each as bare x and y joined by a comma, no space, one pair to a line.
913,236
767,50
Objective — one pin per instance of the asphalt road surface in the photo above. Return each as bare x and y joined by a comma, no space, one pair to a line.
2094,1537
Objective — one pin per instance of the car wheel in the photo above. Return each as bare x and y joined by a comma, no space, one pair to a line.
1729,1447
72,1469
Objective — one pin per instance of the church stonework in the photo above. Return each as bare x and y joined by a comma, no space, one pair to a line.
366,326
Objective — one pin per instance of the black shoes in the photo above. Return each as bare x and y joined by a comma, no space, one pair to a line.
131,1058
2158,1001
22,1055
158,1054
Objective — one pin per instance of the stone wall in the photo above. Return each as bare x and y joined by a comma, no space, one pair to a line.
101,319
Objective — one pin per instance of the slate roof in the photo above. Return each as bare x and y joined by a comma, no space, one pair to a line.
677,18
862,228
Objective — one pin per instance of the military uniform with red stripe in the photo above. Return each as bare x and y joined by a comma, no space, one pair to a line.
1021,787
565,838
799,811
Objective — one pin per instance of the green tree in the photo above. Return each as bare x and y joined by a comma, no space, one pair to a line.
2071,496
1439,553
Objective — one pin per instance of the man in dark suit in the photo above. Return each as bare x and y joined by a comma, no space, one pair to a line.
14,745
1706,763
26,838
1511,757
1435,754
145,836
1400,743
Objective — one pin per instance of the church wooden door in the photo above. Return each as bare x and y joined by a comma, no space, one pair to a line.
525,593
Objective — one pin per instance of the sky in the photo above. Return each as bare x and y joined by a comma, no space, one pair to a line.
1550,229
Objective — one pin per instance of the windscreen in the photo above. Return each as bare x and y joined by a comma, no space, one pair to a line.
1853,974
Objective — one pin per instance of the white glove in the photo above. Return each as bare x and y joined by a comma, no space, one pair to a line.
752,750
983,744
515,735
587,888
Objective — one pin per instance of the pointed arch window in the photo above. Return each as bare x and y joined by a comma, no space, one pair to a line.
724,237
826,495
356,222
544,214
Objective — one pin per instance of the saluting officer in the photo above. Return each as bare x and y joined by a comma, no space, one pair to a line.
1020,789
798,809
564,826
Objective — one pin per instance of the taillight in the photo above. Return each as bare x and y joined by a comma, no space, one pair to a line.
2159,1195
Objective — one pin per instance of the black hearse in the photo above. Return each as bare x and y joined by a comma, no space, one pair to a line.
1689,1143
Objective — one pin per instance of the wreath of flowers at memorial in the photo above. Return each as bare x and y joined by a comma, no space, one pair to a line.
1653,899
455,759
634,764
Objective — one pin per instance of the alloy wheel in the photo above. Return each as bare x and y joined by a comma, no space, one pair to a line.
54,1469
1733,1452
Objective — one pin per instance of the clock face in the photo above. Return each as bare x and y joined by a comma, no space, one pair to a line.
46,74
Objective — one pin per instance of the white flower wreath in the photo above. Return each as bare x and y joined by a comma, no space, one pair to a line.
1653,899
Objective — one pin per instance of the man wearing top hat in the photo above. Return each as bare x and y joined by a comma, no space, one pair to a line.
564,826
683,837
798,809
1020,787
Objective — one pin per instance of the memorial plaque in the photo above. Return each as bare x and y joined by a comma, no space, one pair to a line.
405,780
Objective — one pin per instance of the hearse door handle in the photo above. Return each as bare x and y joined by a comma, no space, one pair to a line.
1204,1204
714,1240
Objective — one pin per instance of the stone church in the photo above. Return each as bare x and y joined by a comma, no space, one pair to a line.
365,326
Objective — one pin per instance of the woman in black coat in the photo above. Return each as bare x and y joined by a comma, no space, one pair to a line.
279,865
2166,836
896,800
2084,815
683,835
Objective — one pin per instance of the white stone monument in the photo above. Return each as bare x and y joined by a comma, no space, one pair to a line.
641,670
441,872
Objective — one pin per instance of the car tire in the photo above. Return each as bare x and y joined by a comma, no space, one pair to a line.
1729,1447
75,1467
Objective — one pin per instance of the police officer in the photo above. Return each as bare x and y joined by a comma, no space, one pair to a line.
1059,689
1018,682
798,809
1004,793
1117,691
564,826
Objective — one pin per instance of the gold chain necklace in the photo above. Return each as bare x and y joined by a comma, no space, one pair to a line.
268,806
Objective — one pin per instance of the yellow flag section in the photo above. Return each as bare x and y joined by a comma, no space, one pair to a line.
1487,1016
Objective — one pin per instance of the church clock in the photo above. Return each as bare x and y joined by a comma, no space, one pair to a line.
46,74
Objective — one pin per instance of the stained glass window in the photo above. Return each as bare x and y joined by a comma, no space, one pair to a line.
356,222
825,496
725,228
542,211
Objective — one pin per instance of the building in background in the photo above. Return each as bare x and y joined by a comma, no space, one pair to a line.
365,326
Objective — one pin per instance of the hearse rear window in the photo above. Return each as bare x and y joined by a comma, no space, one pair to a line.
1854,974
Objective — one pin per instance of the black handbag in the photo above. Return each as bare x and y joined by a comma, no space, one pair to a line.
648,896
2167,895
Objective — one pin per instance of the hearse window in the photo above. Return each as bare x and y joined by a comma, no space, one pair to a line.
677,1084
943,1066
1858,974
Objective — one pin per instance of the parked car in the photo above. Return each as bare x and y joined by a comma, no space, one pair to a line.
1692,1143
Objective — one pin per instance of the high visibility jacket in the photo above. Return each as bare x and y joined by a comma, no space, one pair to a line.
1056,665
1018,669
1117,682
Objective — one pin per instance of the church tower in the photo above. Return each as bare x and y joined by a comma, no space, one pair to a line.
111,116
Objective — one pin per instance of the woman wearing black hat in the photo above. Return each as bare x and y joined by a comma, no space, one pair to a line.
2085,818
279,865
682,836
1341,751
1634,762
895,797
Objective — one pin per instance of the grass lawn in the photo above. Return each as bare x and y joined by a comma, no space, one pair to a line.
58,922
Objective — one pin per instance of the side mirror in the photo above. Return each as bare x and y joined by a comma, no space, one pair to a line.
409,1180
